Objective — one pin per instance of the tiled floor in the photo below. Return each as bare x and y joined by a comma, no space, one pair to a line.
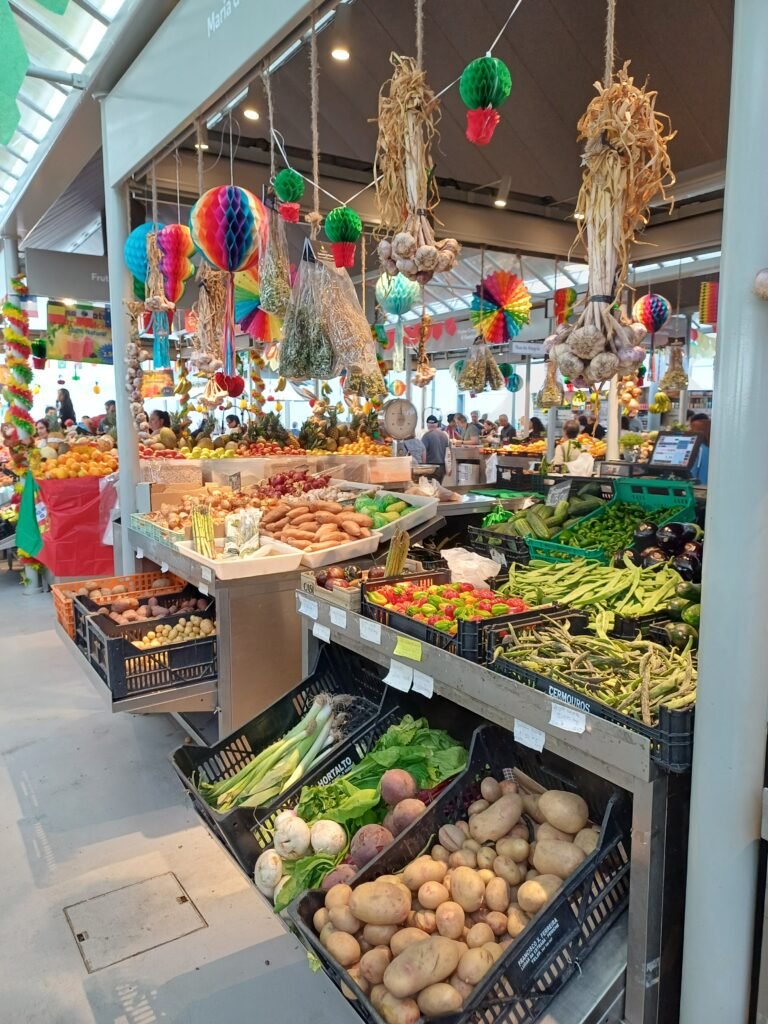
89,803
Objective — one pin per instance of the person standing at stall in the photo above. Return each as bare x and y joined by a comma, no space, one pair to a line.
469,433
452,429
506,431
65,408
537,430
436,444
701,424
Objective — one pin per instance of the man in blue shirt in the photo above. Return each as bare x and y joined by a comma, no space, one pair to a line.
701,424
435,443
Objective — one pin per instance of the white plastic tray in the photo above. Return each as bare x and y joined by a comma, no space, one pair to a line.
424,510
286,560
341,553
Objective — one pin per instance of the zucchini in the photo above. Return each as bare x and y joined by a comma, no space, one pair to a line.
537,525
524,529
544,511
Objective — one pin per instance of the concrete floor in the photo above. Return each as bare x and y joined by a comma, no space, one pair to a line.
88,803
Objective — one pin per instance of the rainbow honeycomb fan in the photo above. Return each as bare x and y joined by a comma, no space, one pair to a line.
501,305
249,315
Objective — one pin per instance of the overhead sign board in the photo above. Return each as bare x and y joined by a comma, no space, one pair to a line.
68,274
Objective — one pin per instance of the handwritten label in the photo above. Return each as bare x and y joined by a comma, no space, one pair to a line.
163,567
322,632
203,590
567,719
206,573
370,631
498,557
235,482
400,676
338,617
423,684
528,736
307,607
558,492
139,552
406,647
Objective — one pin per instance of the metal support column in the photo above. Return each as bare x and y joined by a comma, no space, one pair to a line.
526,422
732,698
614,421
551,431
10,261
116,217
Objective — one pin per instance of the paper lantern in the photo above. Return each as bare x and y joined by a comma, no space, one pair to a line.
135,251
249,315
177,248
396,295
652,311
564,300
514,383
289,188
501,305
229,227
343,227
708,294
484,85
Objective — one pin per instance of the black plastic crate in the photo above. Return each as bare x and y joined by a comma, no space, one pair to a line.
627,627
512,549
337,671
517,480
539,962
130,672
671,738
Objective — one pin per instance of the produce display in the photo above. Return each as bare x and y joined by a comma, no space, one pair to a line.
642,444
79,461
520,448
680,544
542,521
597,448
634,677
417,943
376,799
613,530
629,590
124,610
315,525
443,605
193,628
384,509
96,592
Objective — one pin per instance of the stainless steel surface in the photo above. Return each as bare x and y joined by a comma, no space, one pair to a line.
476,504
609,751
596,994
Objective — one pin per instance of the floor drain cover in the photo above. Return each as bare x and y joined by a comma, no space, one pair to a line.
125,922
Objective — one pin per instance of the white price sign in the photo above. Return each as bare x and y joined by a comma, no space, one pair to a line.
338,617
400,676
567,718
307,607
423,684
370,631
528,736
322,632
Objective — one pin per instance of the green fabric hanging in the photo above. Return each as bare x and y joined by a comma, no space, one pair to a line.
13,68
28,536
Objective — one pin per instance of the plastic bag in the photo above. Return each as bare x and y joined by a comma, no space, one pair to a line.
350,335
275,269
469,567
480,370
306,350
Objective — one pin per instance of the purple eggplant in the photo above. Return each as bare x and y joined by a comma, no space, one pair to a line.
688,566
645,534
653,557
670,537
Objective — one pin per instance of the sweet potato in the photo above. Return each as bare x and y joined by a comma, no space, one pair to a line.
274,515
350,527
295,513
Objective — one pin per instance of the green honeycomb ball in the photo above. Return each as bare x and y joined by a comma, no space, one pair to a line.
486,82
343,225
289,185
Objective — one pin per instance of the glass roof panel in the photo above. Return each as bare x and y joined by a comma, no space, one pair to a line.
58,42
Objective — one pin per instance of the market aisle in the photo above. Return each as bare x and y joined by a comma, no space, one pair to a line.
89,803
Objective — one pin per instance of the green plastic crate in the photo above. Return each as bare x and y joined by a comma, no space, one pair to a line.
652,495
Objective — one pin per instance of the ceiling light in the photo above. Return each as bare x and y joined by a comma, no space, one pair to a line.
340,33
501,196
201,138
340,53
69,302
251,114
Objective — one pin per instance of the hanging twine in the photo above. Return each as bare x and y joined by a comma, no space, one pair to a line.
419,5
610,43
266,78
155,286
315,218
362,272
200,176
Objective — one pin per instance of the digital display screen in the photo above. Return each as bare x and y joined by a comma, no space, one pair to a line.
674,451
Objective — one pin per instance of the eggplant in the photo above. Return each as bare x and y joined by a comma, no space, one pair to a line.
688,566
693,547
645,534
691,531
653,557
626,553
670,538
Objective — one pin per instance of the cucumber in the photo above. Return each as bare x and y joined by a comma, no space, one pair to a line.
537,525
545,511
582,506
524,529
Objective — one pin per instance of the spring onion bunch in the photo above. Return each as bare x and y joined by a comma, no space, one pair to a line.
280,766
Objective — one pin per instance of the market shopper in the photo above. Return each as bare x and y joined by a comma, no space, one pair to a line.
158,419
414,447
701,424
537,429
109,419
588,427
42,431
65,409
52,418
506,431
469,433
436,443
568,448
451,428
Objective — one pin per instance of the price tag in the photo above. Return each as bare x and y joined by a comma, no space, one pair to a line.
400,676
498,557
163,567
307,607
528,736
206,573
559,492
423,684
203,590
567,718
235,482
339,617
370,631
406,647
322,632
139,552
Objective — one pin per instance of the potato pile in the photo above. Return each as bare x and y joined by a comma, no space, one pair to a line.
163,634
315,525
417,943
127,609
96,592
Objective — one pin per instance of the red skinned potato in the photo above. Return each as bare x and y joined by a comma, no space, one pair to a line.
369,841
397,785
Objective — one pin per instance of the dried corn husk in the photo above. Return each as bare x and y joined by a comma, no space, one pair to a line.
675,379
480,370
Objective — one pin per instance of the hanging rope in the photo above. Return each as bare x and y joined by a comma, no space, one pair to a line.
200,176
610,43
419,34
231,154
178,186
153,192
271,118
314,219
362,272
